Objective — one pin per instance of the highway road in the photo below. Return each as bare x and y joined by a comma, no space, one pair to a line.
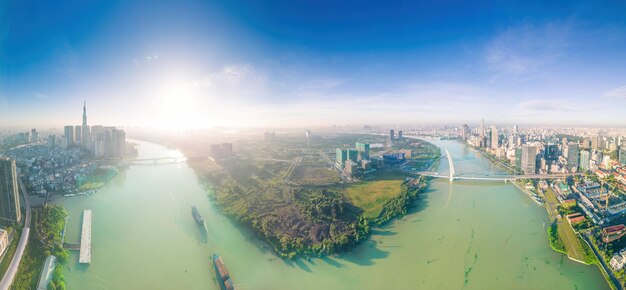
9,276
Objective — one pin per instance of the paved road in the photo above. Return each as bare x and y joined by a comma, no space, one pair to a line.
7,280
616,282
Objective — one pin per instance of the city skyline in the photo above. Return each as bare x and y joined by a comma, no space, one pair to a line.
240,65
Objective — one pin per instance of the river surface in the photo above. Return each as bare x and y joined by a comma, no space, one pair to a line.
460,235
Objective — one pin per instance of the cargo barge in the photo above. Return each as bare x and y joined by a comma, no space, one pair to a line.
223,277
198,218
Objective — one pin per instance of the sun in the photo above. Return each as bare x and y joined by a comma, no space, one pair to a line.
179,108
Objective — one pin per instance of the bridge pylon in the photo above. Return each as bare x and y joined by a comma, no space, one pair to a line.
451,165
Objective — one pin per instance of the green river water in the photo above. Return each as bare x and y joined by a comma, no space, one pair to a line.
460,235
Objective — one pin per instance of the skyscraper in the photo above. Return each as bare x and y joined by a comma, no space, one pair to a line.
69,135
391,134
529,159
573,152
585,158
86,130
78,134
9,191
341,157
494,137
515,129
622,156
364,150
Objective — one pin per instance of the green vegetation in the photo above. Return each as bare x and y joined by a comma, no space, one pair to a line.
371,196
8,255
287,191
555,241
45,239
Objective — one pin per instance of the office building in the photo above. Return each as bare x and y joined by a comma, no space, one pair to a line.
494,137
9,191
353,155
391,134
529,159
69,135
551,152
518,157
78,134
622,156
399,135
34,136
585,159
573,152
341,157
364,150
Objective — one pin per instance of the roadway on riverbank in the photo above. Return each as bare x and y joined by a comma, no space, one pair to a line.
9,276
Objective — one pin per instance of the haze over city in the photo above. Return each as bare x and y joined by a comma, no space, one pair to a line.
202,64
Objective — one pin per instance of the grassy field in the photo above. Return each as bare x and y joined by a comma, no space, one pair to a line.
573,245
370,196
308,172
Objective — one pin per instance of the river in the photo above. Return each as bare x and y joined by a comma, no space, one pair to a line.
460,235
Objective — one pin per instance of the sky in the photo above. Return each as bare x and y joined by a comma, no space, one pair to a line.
196,64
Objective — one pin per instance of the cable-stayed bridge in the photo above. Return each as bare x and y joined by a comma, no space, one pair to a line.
452,175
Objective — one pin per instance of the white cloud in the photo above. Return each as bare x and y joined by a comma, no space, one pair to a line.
619,93
526,49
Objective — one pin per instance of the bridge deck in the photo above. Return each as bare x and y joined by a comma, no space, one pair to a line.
85,239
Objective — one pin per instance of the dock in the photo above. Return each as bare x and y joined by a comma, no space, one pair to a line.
85,239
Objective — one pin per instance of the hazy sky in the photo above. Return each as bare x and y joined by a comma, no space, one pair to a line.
291,63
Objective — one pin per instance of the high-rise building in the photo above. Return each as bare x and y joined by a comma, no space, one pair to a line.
465,132
551,152
86,137
400,135
78,134
364,150
69,135
622,155
529,159
341,157
515,129
494,137
518,157
9,191
34,136
353,155
391,134
585,159
482,129
51,141
573,152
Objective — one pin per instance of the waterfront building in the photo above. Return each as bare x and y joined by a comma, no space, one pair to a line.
465,132
529,159
494,137
573,152
364,150
4,241
518,157
9,190
68,132
341,157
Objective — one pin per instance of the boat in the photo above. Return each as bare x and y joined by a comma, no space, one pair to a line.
198,217
223,277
